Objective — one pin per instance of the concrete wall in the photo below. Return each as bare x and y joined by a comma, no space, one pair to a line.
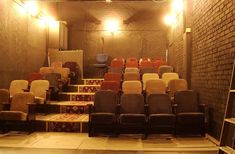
142,35
22,43
213,49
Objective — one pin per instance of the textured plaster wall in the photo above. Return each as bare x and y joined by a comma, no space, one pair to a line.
144,34
22,43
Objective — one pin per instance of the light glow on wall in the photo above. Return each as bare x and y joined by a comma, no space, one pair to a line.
50,21
32,7
111,25
177,6
170,20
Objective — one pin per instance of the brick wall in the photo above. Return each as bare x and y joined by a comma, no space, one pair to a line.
213,49
22,43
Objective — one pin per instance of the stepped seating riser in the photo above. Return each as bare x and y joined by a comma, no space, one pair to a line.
82,88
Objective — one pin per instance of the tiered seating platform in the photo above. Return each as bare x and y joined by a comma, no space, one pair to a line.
70,114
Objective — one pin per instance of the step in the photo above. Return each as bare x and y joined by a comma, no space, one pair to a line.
93,81
78,107
82,88
76,96
62,122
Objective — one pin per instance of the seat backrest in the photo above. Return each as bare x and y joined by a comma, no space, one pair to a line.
4,97
117,63
56,64
132,104
34,76
63,71
131,59
159,104
177,85
110,85
131,69
144,59
158,62
110,76
187,101
130,76
155,86
18,86
132,64
146,64
115,70
105,101
148,76
20,101
169,76
164,69
147,70
39,88
132,87
53,79
45,70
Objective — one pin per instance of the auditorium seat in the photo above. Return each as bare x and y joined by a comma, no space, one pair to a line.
64,74
132,117
110,85
75,71
147,70
148,76
130,76
40,90
18,86
189,118
44,70
4,98
146,64
131,69
132,59
157,62
164,69
56,64
55,84
19,112
176,85
34,76
117,63
169,76
144,59
155,86
110,76
115,70
132,87
161,117
102,116
132,64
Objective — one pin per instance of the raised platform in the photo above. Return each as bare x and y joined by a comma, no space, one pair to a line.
82,88
93,81
62,122
76,96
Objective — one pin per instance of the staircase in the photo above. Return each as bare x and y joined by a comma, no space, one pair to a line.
70,113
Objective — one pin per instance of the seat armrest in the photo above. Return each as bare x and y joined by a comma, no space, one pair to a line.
203,107
90,108
174,108
6,106
118,108
31,108
146,107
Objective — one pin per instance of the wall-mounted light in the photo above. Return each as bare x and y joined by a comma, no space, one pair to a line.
108,1
111,25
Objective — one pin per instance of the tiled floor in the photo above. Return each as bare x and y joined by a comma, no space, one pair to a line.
71,143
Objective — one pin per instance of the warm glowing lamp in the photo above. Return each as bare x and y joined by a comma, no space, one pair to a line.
170,20
49,21
177,6
111,25
32,7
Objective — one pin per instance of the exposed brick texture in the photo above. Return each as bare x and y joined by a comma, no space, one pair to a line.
213,49
22,43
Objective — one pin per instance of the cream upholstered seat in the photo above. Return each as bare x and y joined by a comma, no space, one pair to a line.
164,69
130,76
45,70
169,76
148,76
177,85
18,86
39,88
155,86
132,87
131,69
56,64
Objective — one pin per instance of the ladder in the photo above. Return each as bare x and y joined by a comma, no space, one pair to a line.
227,137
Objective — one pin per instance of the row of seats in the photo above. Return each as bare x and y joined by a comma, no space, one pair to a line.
39,88
132,114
